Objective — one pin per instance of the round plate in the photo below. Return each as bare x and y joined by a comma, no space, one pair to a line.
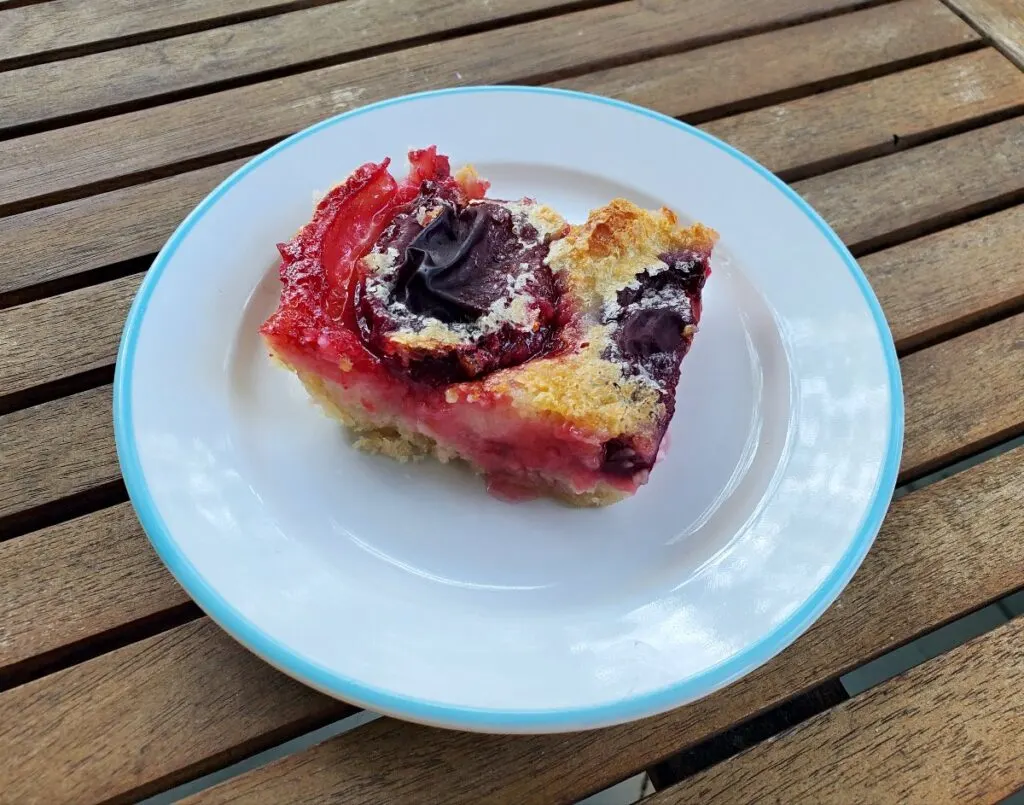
407,589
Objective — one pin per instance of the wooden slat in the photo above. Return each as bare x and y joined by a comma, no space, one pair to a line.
951,730
176,761
58,241
145,716
943,550
892,197
94,82
56,449
950,279
1002,20
952,538
77,580
958,273
100,80
69,333
808,55
55,242
61,335
877,116
89,153
62,24
963,395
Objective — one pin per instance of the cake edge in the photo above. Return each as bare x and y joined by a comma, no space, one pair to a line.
396,441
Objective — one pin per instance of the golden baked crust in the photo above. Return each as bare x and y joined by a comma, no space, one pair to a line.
618,241
597,259
581,388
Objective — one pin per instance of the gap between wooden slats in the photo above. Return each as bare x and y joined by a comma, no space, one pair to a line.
96,156
946,731
191,693
66,28
875,202
98,85
52,243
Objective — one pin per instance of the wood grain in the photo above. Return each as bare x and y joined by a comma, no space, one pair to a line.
878,116
963,395
813,54
951,730
67,239
101,151
146,716
63,24
942,551
952,279
876,203
115,77
180,704
59,241
1002,20
76,580
929,286
960,395
61,335
56,449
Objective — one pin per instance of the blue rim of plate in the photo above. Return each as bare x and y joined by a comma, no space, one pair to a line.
485,719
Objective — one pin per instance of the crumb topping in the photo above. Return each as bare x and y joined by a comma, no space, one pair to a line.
635,310
625,265
432,334
381,262
535,223
582,388
616,243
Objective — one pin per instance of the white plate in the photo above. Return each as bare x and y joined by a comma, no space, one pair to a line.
406,589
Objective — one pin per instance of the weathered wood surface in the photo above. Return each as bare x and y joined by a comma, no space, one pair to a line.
107,150
56,449
131,74
60,241
62,25
937,552
63,335
816,55
903,120
951,730
963,395
73,582
875,117
896,197
952,279
146,716
1001,20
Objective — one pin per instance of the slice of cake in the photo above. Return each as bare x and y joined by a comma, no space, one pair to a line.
433,320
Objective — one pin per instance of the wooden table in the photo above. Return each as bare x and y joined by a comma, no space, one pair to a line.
902,122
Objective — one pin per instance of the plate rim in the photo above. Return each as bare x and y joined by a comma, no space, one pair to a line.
502,720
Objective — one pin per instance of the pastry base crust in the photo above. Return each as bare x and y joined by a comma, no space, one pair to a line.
391,437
